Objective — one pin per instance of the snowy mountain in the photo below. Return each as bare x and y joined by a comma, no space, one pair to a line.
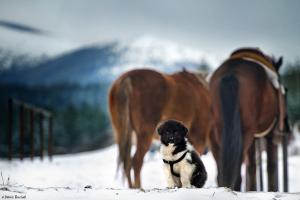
10,60
103,62
78,66
158,54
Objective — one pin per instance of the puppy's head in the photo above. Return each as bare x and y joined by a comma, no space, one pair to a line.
172,131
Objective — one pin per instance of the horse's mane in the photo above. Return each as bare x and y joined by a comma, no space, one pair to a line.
195,78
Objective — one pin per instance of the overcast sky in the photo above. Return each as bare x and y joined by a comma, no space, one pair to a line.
213,26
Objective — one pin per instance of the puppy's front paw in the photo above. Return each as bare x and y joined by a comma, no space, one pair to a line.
170,187
187,185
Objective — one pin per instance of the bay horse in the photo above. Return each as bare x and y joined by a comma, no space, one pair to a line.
141,98
247,101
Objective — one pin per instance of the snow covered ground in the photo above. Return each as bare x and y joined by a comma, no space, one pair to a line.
92,175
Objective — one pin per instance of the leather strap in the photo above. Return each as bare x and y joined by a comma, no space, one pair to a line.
171,163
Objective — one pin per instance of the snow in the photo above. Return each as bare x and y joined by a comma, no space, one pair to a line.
172,194
67,176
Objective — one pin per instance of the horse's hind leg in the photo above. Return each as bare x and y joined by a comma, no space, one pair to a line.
272,165
238,181
143,144
215,148
251,169
127,172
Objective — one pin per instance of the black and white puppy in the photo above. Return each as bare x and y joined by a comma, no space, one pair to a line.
182,165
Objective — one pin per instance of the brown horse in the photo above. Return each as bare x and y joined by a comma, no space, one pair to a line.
140,99
245,102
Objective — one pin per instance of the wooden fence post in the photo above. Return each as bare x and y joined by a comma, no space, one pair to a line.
21,133
25,108
261,182
41,136
285,162
31,130
10,127
50,142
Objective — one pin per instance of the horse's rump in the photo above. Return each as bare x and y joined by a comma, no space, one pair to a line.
244,102
146,97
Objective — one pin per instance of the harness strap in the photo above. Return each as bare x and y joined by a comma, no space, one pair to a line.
171,163
268,130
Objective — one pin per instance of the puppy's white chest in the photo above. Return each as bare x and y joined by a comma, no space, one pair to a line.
179,166
166,151
184,165
167,154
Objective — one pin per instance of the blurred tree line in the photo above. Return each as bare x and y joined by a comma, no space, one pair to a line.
291,80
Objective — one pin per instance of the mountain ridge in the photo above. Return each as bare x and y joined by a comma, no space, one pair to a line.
103,62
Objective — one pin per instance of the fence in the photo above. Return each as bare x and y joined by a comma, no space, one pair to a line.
258,144
33,112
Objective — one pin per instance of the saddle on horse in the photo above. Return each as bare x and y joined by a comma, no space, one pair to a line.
256,55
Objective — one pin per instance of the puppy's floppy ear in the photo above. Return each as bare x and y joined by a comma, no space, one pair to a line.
159,128
185,130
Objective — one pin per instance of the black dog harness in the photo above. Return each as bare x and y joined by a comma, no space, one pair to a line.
171,163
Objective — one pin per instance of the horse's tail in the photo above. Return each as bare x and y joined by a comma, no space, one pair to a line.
119,96
232,139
